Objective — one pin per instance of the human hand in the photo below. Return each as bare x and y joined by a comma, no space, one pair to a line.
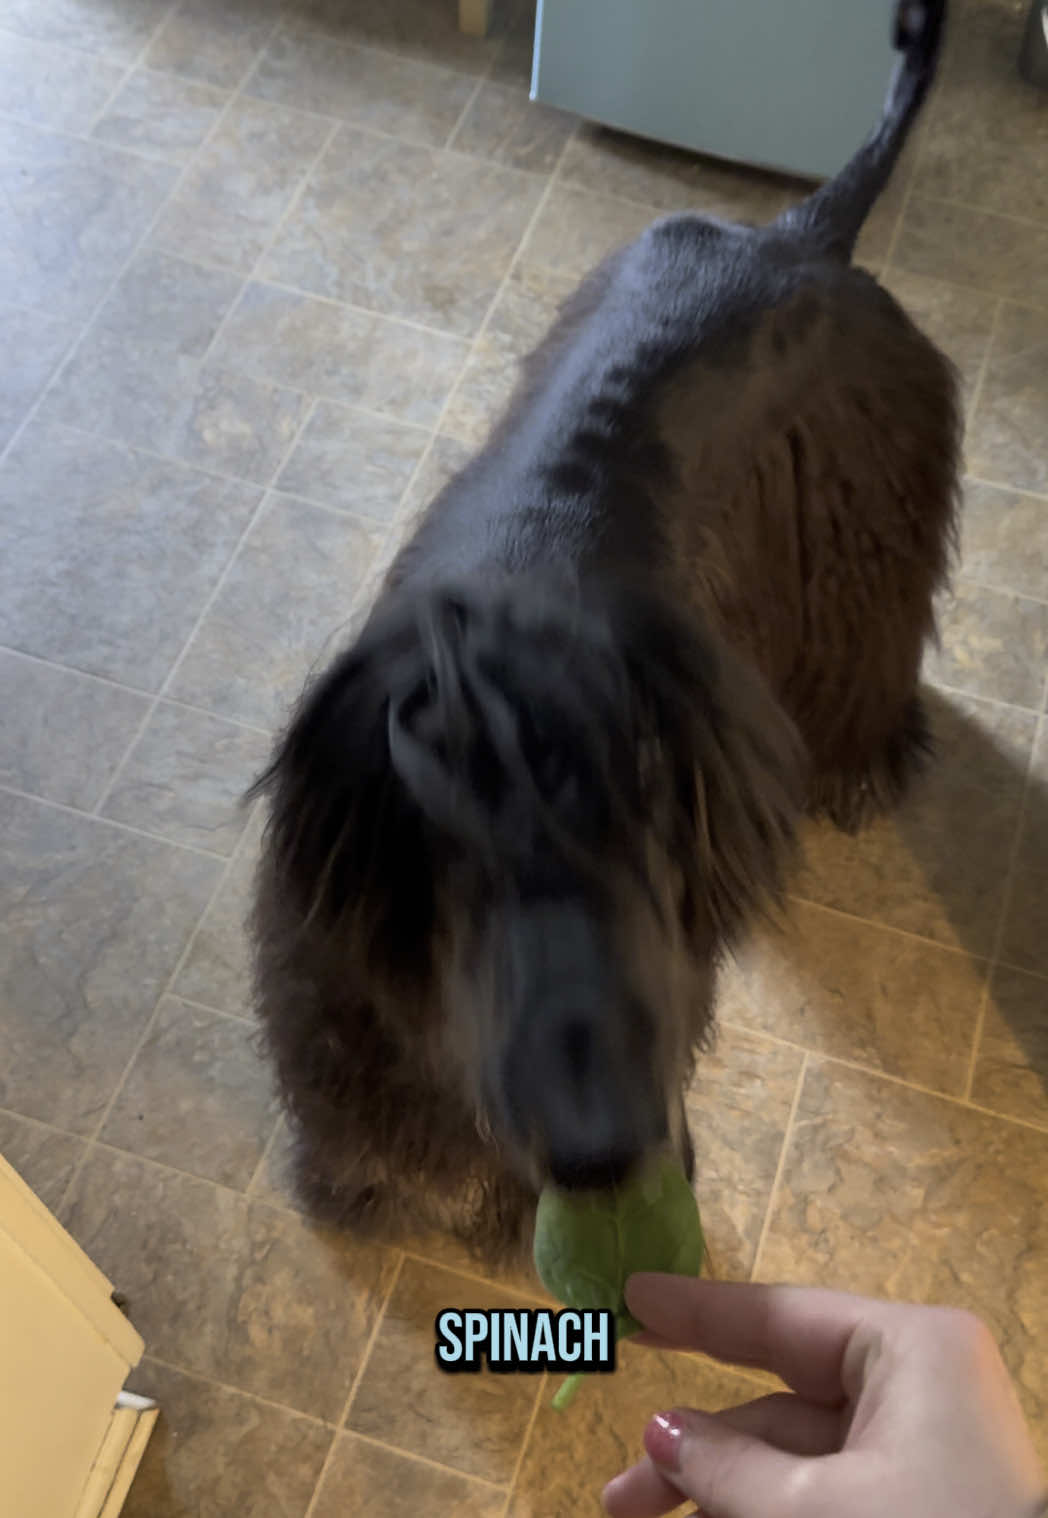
894,1409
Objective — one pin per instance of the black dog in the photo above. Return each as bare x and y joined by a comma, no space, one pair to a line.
680,595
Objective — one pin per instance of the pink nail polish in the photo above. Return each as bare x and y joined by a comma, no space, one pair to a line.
662,1440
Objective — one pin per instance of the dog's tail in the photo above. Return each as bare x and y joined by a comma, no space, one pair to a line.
831,219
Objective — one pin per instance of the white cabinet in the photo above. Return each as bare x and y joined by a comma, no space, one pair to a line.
70,1440
784,84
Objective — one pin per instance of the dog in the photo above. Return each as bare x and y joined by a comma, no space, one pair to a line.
679,599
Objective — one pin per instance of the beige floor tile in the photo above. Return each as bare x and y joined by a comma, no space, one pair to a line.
217,970
94,920
215,1452
109,28
112,555
41,343
370,1481
994,644
954,1210
213,41
185,778
860,992
349,356
380,91
993,253
571,1455
354,461
230,1289
738,1107
1009,435
426,29
986,133
197,1096
577,228
473,1423
914,868
1025,939
63,734
241,184
53,86
75,212
160,114
1004,539
610,163
372,202
43,1157
503,124
1011,1071
257,643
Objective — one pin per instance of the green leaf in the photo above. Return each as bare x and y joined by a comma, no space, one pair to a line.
588,1244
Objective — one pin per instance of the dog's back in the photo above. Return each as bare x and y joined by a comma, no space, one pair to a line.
742,414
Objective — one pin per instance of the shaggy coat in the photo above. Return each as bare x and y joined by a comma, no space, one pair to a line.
680,596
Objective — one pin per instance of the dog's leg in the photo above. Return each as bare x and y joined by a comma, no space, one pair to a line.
853,795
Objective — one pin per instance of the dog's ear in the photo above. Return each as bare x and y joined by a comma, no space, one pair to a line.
345,839
738,764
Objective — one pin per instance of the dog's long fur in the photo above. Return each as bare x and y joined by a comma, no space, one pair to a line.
682,593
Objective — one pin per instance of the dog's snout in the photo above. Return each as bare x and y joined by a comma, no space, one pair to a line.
578,1074
590,1171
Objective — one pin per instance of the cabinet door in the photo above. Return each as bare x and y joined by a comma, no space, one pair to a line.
784,84
64,1353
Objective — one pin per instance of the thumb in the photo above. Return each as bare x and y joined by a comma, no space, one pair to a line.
728,1474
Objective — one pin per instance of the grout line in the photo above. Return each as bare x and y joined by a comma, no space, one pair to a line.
243,1018
141,244
883,1075
24,1117
132,690
540,1392
167,989
131,68
1007,894
281,462
979,479
492,1282
197,1375
980,700
263,1159
780,1168
268,243
1001,590
365,1357
888,927
113,822
1006,902
215,592
433,1465
474,94
977,388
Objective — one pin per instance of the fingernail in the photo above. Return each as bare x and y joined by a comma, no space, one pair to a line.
662,1440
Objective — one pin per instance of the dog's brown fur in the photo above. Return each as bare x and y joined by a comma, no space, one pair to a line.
703,545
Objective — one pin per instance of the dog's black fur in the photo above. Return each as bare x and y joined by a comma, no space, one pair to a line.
682,593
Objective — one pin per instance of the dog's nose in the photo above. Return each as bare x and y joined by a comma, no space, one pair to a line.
592,1170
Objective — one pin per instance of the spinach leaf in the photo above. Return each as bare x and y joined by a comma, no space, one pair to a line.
588,1244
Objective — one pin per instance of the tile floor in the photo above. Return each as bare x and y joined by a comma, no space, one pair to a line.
265,271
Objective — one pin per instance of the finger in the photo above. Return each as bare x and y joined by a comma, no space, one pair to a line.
800,1333
727,1474
640,1492
788,1423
